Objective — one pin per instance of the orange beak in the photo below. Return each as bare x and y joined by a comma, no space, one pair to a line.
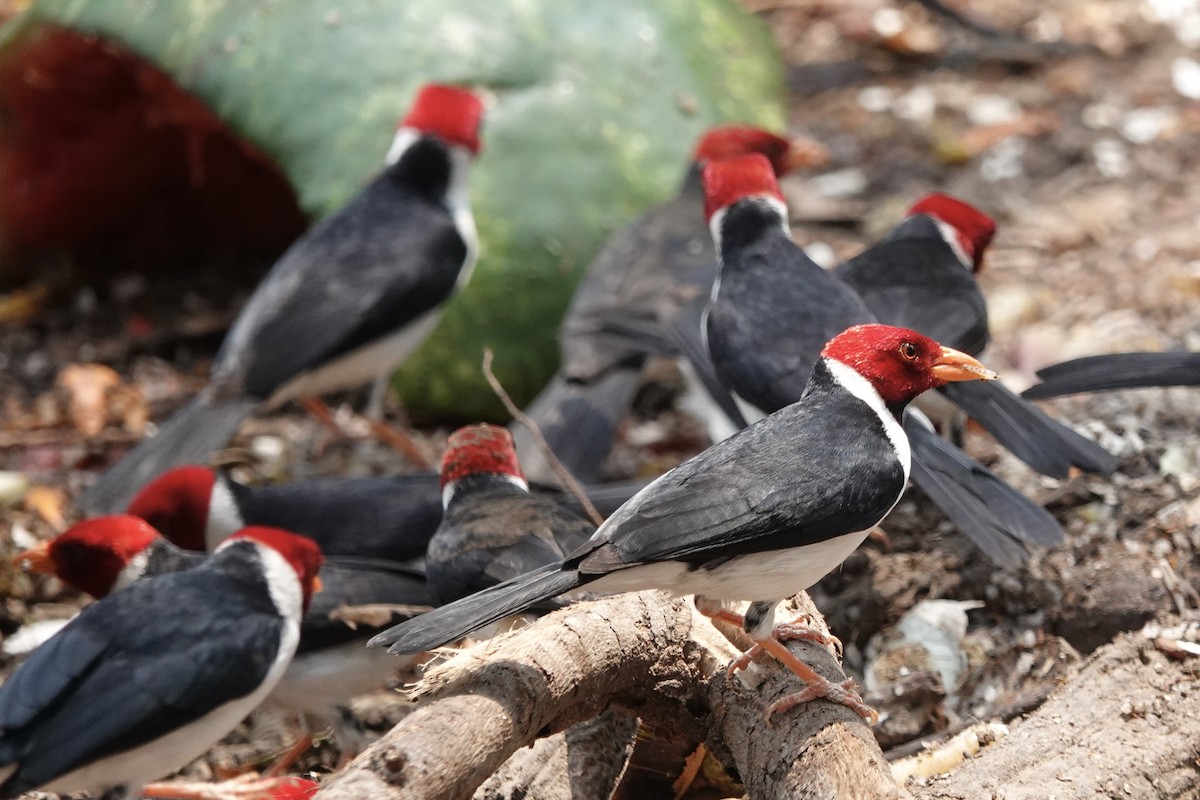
316,584
36,559
806,154
955,366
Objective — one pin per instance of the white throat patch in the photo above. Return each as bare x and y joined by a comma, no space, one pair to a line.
224,518
950,235
860,387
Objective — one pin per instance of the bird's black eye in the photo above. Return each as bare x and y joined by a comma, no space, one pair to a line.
909,351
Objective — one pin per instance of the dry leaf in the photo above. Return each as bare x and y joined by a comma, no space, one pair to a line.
47,502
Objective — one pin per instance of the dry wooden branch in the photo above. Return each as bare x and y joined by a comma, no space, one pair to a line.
481,706
645,652
1127,725
584,762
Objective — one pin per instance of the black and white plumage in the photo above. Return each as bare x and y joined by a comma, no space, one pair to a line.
144,681
493,529
105,555
772,308
659,261
922,277
346,303
1114,371
761,515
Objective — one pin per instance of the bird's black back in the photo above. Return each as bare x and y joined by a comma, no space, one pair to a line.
390,518
613,319
914,280
387,257
774,311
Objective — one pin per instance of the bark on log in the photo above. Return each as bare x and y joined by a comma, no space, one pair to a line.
482,705
644,652
817,751
584,762
1126,725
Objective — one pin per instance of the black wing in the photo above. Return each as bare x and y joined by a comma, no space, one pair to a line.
389,518
118,676
919,283
804,474
1116,371
388,257
613,317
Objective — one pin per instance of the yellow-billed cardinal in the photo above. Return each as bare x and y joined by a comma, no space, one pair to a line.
104,555
391,518
759,516
346,303
771,310
494,528
1112,371
613,325
922,276
147,679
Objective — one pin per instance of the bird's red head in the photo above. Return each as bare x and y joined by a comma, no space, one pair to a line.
973,228
732,179
302,555
479,449
901,363
177,504
90,556
728,141
450,112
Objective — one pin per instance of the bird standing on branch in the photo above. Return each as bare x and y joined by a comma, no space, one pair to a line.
772,309
759,516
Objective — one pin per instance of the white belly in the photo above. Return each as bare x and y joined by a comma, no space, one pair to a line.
318,682
359,366
772,575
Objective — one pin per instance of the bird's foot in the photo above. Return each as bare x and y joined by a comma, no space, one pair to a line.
323,414
249,786
842,693
816,685
797,630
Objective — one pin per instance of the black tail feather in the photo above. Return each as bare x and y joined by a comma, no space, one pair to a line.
449,623
1116,371
996,517
1044,443
191,436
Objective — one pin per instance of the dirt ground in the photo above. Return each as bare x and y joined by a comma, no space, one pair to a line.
1083,145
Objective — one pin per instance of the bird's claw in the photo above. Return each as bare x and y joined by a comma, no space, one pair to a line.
800,630
842,693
